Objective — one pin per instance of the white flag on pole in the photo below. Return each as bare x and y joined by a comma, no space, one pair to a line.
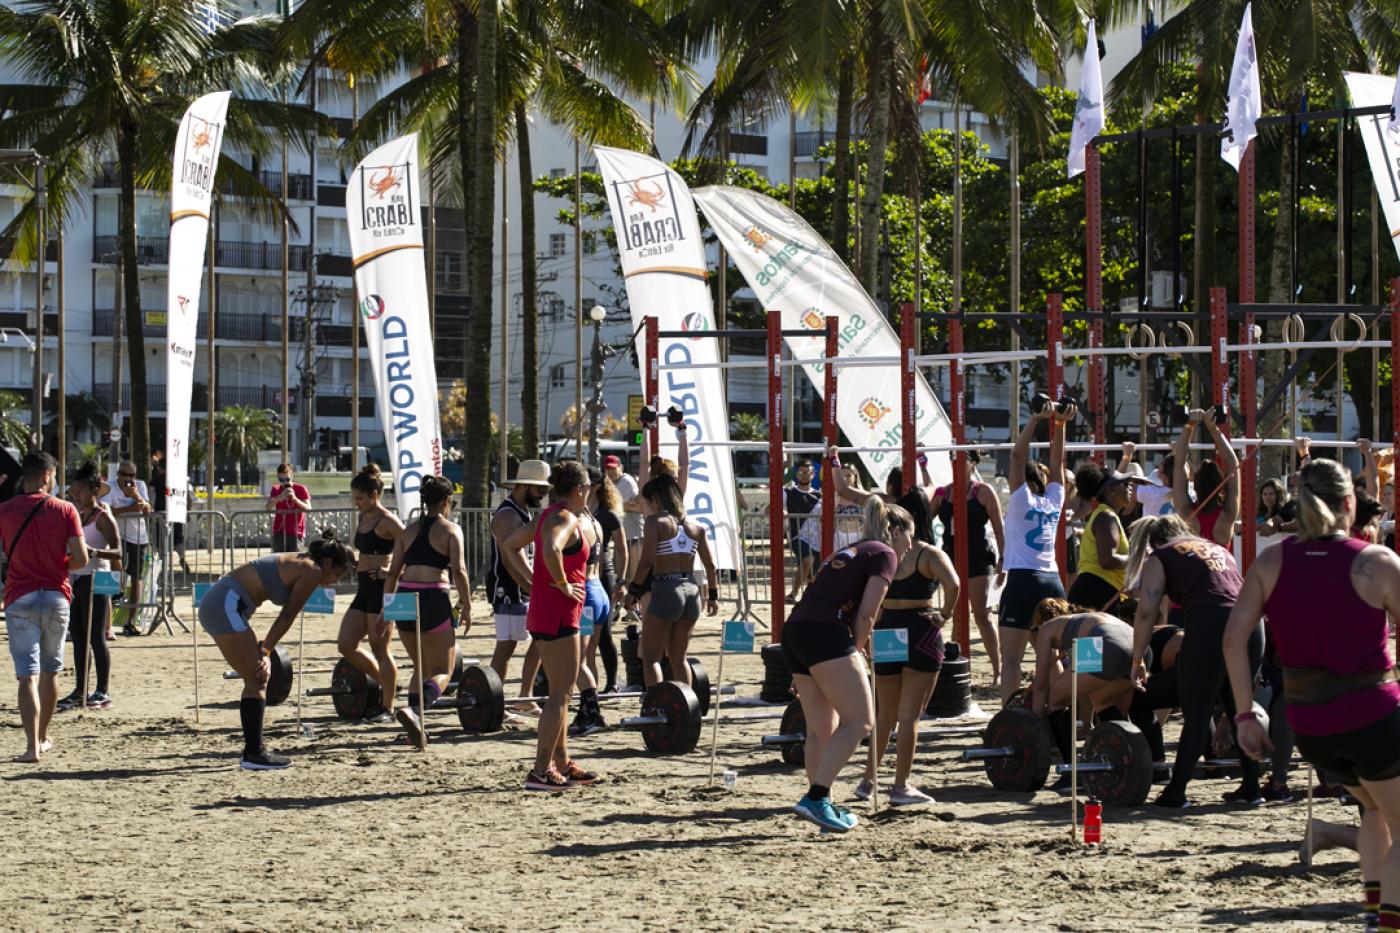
1245,102
1088,110
1394,124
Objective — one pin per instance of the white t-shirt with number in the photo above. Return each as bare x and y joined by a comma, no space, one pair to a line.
1155,497
1030,525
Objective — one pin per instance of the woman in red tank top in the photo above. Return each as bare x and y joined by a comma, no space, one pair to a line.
1217,505
1326,596
562,543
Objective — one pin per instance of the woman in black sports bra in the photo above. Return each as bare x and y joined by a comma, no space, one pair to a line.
427,555
983,513
376,529
902,688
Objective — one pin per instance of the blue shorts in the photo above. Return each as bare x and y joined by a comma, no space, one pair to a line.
595,597
226,608
37,624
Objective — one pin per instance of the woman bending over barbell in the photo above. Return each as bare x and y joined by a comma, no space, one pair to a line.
285,580
1055,625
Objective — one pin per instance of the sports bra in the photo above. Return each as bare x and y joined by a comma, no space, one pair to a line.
595,554
679,543
278,592
367,542
421,552
914,586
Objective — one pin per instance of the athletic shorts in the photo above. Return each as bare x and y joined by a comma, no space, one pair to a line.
1371,753
1023,592
132,557
1092,592
434,610
807,644
1118,654
595,598
369,592
674,598
226,608
925,641
562,633
801,549
510,623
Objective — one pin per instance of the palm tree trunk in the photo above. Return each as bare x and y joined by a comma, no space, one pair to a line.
1272,460
139,430
479,149
877,92
841,206
529,299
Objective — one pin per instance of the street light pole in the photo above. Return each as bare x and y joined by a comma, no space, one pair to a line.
41,204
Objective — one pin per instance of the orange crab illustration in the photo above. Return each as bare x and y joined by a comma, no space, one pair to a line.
757,238
650,199
383,184
202,137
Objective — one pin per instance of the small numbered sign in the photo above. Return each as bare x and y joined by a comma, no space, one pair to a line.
738,636
1088,655
322,601
401,607
891,645
585,622
107,583
200,589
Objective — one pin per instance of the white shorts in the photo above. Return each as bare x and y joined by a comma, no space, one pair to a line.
510,626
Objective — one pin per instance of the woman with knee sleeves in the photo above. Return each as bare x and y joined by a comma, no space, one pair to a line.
605,512
670,544
92,613
1032,522
428,558
1216,483
902,688
563,544
1171,563
1326,596
1055,625
829,626
285,580
983,513
376,530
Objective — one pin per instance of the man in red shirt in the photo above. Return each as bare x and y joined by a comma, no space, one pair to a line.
43,540
290,501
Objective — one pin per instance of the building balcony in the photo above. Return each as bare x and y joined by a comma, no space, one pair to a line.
269,397
229,254
298,184
24,320
330,195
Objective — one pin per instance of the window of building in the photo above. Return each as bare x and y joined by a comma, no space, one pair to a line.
557,244
559,375
556,173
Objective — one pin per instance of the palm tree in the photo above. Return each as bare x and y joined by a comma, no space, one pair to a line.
105,78
13,432
240,431
90,452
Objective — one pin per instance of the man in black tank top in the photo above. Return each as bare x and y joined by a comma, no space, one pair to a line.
508,579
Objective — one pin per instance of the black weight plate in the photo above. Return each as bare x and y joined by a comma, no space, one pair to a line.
540,687
1028,765
680,733
794,723
952,651
279,680
1123,746
487,707
353,693
700,685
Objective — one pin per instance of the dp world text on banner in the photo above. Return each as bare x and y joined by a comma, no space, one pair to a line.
382,208
663,260
197,145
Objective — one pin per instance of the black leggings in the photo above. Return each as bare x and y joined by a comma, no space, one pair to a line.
607,650
1201,681
1161,693
101,612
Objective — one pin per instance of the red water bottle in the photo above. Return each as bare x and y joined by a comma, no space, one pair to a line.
1093,822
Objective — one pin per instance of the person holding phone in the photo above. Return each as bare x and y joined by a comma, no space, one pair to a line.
290,501
130,503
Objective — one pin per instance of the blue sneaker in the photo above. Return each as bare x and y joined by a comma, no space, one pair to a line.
821,812
846,815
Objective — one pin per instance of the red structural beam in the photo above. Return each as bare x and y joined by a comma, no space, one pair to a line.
1395,383
957,411
908,406
829,436
1054,379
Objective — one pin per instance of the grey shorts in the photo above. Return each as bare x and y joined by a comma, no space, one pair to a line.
226,608
1118,654
674,598
36,624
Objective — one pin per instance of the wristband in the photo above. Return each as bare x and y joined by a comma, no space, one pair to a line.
637,590
1246,716
714,594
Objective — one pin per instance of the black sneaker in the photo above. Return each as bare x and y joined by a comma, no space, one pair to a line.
1250,797
586,725
264,760
130,630
99,699
71,702
412,725
1171,800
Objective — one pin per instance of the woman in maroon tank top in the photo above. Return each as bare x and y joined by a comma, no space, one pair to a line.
1217,504
1326,596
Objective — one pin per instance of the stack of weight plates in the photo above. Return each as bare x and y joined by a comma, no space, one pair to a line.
631,662
952,695
777,679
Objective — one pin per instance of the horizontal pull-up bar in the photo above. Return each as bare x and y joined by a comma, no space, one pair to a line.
733,334
1303,310
1215,129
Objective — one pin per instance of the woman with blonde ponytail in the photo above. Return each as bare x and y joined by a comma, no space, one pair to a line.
829,626
1326,595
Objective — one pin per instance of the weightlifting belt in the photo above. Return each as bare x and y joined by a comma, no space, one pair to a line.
1312,686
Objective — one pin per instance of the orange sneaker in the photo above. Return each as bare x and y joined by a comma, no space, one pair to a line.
575,774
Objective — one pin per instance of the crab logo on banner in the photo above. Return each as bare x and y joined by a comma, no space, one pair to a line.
386,243
797,274
197,145
663,261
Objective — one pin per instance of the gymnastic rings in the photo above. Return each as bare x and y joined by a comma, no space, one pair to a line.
1339,330
1187,331
1294,330
1150,341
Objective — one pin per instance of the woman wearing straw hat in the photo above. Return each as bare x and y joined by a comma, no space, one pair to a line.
508,578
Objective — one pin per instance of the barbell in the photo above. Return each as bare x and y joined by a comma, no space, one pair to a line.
283,673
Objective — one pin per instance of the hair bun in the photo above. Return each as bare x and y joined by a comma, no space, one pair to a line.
328,534
370,469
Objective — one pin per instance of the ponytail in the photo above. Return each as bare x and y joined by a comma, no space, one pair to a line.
877,527
1147,534
1323,488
